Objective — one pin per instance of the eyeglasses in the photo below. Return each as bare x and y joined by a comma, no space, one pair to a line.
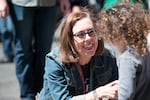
82,35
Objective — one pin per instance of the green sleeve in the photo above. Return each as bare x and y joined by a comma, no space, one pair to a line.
109,4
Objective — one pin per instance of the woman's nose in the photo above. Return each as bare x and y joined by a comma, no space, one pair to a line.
87,37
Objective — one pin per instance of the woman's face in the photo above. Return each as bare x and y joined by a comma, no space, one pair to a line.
85,37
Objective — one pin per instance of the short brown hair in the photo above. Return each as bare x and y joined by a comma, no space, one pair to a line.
68,52
127,20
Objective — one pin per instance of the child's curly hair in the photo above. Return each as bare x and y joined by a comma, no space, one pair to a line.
128,21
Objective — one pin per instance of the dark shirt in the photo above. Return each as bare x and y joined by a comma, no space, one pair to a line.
143,84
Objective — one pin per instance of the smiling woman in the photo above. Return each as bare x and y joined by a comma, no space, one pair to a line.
80,68
85,45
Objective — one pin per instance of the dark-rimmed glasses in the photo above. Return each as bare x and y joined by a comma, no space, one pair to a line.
82,34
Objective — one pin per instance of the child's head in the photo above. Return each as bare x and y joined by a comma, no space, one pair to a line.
125,24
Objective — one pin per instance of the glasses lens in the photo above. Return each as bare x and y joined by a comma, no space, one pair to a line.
91,32
82,35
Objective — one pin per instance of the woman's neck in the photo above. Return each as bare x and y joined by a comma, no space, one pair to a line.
84,60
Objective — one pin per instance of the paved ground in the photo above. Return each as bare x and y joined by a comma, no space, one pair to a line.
9,89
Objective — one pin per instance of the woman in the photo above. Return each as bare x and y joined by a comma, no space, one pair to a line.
80,67
126,27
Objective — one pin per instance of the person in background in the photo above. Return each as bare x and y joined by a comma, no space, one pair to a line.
34,26
96,5
126,27
7,36
80,68
111,3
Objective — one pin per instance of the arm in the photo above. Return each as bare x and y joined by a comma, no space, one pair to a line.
127,76
109,91
56,82
4,9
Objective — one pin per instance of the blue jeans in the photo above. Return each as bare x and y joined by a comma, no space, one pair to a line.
7,33
34,32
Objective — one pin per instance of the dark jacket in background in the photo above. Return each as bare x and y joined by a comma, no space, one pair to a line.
143,87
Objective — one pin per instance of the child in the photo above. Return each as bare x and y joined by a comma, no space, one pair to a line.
126,27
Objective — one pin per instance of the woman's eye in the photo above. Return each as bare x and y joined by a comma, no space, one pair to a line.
80,35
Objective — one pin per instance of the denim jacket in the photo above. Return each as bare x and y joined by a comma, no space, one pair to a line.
63,81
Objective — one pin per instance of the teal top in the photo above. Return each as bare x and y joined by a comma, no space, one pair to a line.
111,3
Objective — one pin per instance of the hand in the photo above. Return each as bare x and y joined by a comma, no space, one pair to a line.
109,91
65,6
4,9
